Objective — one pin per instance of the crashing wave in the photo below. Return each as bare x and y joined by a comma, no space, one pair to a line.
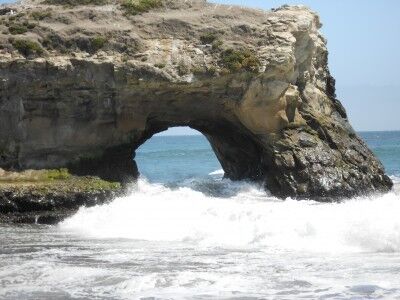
247,217
217,172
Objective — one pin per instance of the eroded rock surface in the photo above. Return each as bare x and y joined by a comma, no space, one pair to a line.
98,83
50,196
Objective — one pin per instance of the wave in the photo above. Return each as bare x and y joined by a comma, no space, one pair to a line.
395,179
247,217
217,172
396,184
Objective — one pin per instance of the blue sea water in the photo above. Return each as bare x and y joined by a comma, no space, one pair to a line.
170,159
184,232
386,145
175,158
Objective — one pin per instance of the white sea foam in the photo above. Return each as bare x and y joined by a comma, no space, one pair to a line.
217,172
208,239
249,218
395,179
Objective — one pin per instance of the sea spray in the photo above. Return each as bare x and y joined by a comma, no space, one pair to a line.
217,172
247,218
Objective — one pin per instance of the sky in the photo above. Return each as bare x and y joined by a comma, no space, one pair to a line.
364,56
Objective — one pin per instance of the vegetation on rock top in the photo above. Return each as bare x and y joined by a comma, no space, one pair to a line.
240,59
212,39
49,196
60,174
75,2
98,42
57,180
131,7
17,29
34,175
134,7
27,47
39,15
208,38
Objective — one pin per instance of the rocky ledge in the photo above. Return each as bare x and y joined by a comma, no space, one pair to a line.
85,83
49,196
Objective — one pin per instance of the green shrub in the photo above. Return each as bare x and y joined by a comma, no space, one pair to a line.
199,70
134,7
60,174
95,184
97,43
217,44
183,68
212,70
29,25
160,66
27,47
208,38
54,42
213,39
17,29
75,2
241,59
40,15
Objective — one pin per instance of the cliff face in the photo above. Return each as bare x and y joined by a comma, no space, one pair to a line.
86,85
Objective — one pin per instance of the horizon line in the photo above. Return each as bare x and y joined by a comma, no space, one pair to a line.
199,133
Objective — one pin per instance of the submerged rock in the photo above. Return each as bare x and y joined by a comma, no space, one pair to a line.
83,86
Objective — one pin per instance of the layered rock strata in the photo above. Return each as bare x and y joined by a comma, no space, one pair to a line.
84,86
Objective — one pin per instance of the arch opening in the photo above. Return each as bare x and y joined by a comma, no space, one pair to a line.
176,155
238,155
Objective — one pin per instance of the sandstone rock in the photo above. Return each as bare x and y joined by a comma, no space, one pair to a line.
105,82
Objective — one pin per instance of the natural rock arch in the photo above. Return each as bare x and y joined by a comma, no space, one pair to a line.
234,152
261,93
235,147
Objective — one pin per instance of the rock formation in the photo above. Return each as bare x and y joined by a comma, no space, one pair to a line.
49,196
83,86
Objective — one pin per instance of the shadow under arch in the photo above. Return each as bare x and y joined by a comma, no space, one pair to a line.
237,153
234,150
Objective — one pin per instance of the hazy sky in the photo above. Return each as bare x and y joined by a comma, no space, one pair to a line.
364,46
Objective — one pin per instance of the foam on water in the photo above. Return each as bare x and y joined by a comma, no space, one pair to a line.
208,239
242,215
217,172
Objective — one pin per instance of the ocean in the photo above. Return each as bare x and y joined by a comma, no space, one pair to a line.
184,232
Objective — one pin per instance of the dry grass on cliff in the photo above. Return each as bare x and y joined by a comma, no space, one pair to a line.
76,2
83,27
56,179
134,7
34,175
131,7
27,47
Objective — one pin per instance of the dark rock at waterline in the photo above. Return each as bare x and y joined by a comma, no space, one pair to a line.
50,196
255,83
49,208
